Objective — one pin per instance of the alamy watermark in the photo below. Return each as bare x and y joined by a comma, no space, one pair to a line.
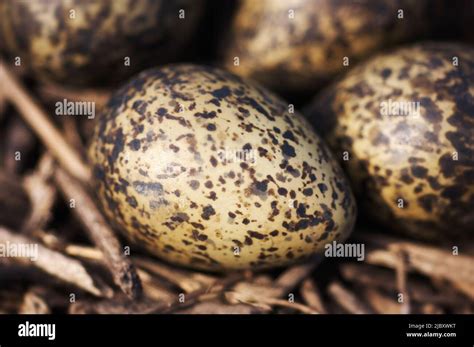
19,250
345,250
400,108
28,329
75,108
229,155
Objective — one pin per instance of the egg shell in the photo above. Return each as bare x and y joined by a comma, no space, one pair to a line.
209,171
406,121
293,46
95,42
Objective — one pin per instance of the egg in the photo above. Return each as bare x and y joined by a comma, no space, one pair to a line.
95,43
209,171
295,46
403,123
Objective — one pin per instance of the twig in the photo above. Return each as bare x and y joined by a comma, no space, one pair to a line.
185,280
201,294
216,307
381,302
401,272
347,300
123,271
86,252
179,278
154,289
66,269
18,140
71,133
380,278
42,194
311,295
291,277
14,203
39,122
434,262
33,304
264,302
119,305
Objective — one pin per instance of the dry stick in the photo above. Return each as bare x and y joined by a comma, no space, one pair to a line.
265,303
436,265
18,140
42,195
64,268
123,271
199,295
71,134
178,277
294,276
381,302
115,306
33,304
420,290
85,252
217,307
434,262
347,300
14,202
265,296
311,295
401,273
39,122
153,289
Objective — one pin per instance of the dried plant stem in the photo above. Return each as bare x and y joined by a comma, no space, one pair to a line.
347,299
265,303
42,195
39,122
18,141
293,276
118,305
71,134
14,202
210,292
33,303
401,273
380,278
434,262
123,271
187,282
56,264
177,277
380,302
85,252
311,295
154,289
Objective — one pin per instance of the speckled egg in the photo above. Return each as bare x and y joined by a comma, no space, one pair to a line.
297,45
209,171
95,42
404,122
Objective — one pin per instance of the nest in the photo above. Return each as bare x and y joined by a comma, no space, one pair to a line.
82,267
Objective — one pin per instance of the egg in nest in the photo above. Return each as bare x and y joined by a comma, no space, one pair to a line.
405,123
95,42
207,170
295,46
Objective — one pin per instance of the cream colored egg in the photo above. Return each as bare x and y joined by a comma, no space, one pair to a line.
207,170
405,122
